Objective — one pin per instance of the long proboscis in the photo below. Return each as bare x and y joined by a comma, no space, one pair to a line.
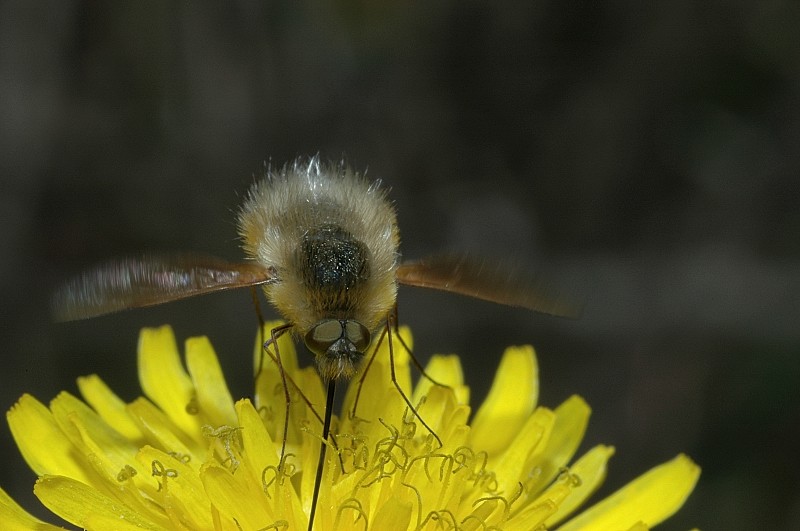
499,282
149,280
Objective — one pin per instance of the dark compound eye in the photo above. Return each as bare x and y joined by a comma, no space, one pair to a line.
323,335
358,334
331,331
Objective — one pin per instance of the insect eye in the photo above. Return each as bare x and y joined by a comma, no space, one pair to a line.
330,331
323,335
358,334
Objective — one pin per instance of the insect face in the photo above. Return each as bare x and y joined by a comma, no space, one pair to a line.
333,241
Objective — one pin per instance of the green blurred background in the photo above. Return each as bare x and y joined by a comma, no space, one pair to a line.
646,152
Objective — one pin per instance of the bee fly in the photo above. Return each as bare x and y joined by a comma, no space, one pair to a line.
324,245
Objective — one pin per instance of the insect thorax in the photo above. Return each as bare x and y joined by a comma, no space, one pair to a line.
334,267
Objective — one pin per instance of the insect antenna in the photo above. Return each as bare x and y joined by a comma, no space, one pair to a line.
323,445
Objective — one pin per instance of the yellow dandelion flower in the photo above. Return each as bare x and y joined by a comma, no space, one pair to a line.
188,457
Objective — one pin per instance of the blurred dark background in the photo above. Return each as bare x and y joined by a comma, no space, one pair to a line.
647,153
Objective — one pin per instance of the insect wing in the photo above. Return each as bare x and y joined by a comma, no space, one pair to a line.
150,280
498,282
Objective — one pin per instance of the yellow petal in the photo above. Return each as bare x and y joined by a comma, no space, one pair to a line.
109,406
369,392
15,518
510,466
180,490
571,419
436,487
445,370
86,507
260,454
510,402
483,515
650,498
305,416
531,517
164,381
444,416
234,500
160,431
31,423
582,480
213,397
394,514
91,435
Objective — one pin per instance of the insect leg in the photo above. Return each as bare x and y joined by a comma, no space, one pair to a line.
260,317
275,333
286,377
395,321
400,390
365,371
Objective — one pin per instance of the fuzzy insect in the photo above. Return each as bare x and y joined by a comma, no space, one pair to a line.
323,243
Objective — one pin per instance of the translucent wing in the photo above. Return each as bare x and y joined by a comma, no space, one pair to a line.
492,281
149,280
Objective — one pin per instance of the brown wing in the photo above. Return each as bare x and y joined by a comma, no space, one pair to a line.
483,279
149,280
